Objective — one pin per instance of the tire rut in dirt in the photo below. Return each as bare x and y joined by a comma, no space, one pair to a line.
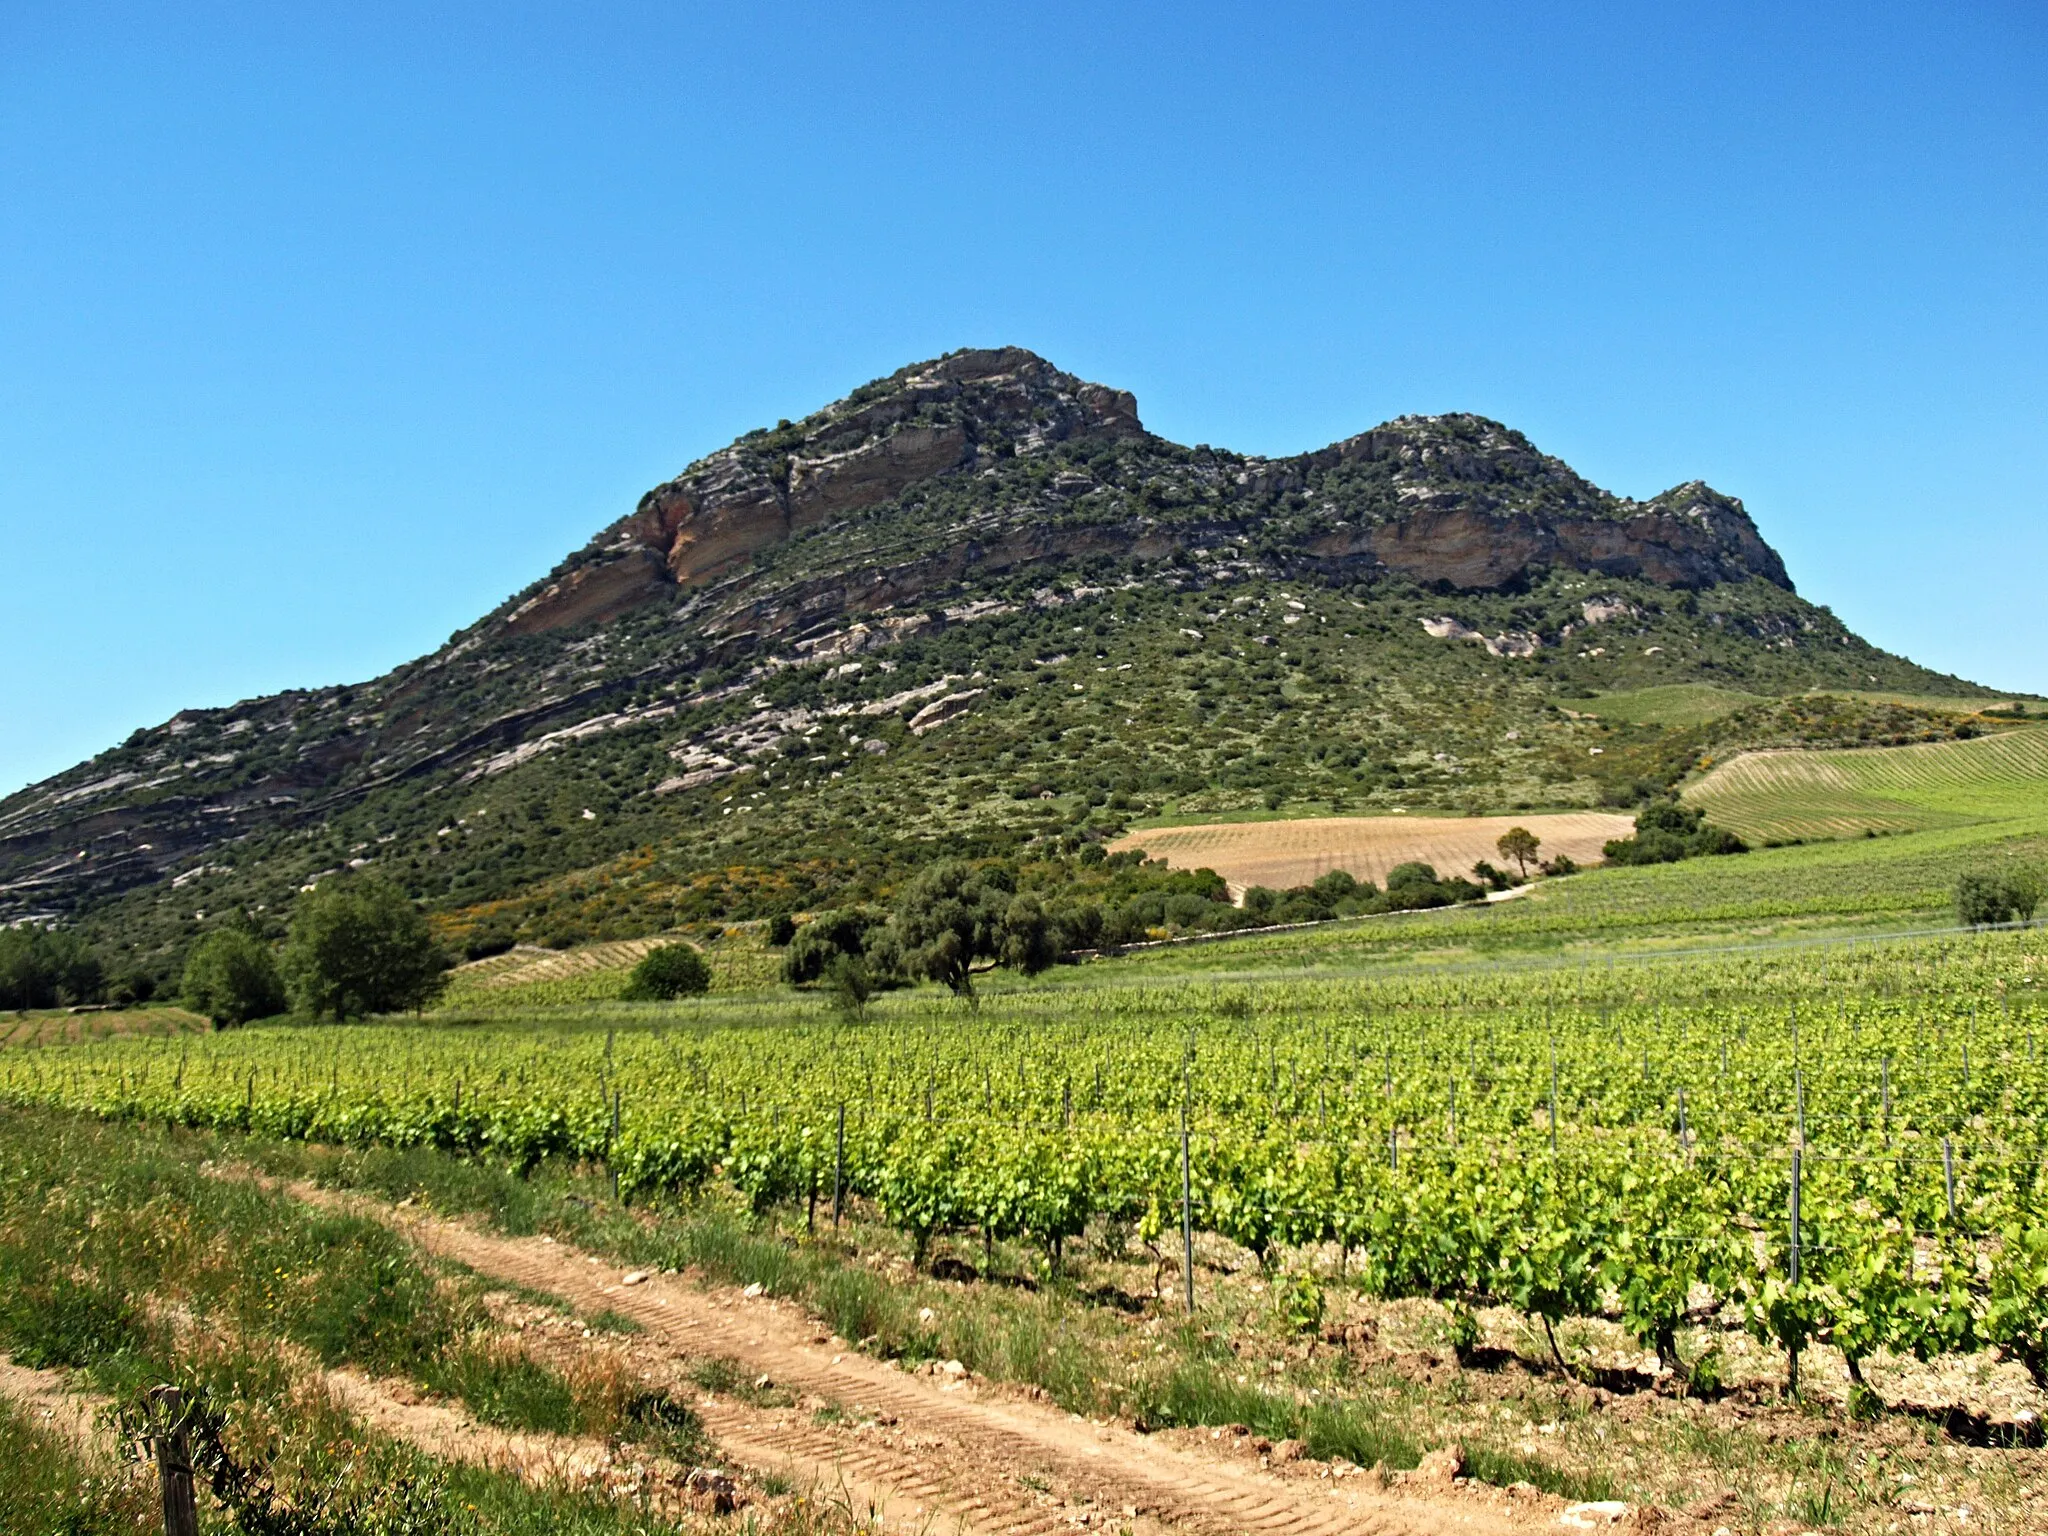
1080,1465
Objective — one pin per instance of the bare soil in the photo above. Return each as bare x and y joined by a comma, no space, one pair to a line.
1281,854
940,1450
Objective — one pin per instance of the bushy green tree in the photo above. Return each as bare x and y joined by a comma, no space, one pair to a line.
360,946
1667,831
1997,896
1026,939
47,968
231,978
951,915
666,972
838,933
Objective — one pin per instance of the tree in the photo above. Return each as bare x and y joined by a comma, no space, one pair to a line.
1519,844
360,946
666,972
949,916
231,978
1996,896
1026,941
47,968
781,929
837,933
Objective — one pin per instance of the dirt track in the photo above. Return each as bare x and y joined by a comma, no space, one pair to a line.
945,1453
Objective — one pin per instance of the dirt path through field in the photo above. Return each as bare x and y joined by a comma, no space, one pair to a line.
48,1399
945,1453
1281,854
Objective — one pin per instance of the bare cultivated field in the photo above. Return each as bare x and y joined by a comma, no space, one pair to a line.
65,1026
1288,853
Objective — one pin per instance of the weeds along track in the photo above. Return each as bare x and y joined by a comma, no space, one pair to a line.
941,1456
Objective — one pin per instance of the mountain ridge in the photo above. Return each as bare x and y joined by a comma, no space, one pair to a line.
1473,502
952,520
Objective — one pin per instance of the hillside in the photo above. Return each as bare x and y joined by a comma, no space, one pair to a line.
973,606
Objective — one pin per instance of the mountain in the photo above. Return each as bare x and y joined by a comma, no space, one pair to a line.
974,606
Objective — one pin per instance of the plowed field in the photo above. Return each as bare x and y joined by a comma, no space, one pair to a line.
1288,853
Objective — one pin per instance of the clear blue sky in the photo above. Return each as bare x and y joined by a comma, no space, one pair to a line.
323,328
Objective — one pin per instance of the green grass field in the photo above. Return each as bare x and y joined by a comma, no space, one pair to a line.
1676,705
1788,796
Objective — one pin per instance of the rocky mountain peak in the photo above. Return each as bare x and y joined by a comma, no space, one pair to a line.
967,410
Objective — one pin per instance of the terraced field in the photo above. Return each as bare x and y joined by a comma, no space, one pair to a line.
1782,796
597,973
1676,705
1281,854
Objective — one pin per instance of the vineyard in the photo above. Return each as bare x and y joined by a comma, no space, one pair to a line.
1839,1145
1786,795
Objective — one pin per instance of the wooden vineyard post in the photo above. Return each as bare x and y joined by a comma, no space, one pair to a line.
839,1171
1187,1211
1948,1176
1684,1134
611,1141
1884,1083
1792,1352
173,1462
1553,1098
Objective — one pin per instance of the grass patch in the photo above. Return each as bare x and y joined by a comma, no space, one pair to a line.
52,1490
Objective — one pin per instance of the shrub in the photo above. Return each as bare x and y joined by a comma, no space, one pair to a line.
1335,886
781,929
1667,831
667,972
231,978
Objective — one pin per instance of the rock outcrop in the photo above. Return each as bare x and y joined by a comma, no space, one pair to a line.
1455,500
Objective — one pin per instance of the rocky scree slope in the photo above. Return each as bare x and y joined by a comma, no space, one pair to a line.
948,561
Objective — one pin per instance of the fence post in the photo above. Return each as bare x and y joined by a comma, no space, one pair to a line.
1684,1133
1553,1097
839,1172
1187,1213
612,1141
1948,1176
174,1463
1792,1353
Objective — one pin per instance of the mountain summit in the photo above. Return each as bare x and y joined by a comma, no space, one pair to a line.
1455,499
975,606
